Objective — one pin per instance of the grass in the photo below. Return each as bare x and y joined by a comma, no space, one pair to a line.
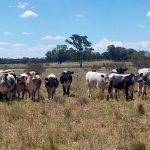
96,125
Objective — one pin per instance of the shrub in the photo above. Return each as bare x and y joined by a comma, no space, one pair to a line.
137,145
37,67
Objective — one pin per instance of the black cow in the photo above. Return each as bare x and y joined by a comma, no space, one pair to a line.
121,82
66,80
51,83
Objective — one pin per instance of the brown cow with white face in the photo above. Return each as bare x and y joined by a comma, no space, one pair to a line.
33,84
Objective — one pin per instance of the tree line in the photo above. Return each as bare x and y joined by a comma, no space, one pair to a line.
80,49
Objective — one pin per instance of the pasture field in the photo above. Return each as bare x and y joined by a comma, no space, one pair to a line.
76,122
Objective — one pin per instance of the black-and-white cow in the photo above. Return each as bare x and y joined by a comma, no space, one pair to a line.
119,70
143,81
123,82
66,80
51,83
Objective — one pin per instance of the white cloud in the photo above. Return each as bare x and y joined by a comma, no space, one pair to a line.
4,43
7,33
101,46
142,26
22,5
148,14
54,38
80,16
28,13
27,33
18,45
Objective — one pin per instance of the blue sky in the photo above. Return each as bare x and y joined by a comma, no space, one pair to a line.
29,28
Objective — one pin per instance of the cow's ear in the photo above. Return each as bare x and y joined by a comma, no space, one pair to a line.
132,74
72,72
46,79
102,76
37,73
28,73
117,69
125,69
141,74
6,74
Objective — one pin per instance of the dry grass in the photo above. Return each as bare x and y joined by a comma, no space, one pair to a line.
97,125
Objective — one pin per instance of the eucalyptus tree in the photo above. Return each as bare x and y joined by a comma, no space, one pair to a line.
80,43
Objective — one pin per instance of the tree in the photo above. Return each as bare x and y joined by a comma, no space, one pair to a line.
80,43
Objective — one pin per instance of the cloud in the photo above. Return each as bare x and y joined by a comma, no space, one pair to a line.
101,46
22,5
18,46
32,51
54,38
4,43
27,33
7,33
29,13
148,14
141,26
80,16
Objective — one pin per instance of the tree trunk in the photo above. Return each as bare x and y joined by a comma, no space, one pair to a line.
81,58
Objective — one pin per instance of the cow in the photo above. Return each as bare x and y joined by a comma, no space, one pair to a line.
33,84
51,83
66,80
123,82
3,87
143,81
95,80
119,70
20,86
11,85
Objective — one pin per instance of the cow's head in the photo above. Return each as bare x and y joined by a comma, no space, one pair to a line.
51,82
121,70
3,79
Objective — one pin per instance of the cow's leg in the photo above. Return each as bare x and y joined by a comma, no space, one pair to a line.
116,92
126,93
109,91
89,92
53,92
68,90
64,90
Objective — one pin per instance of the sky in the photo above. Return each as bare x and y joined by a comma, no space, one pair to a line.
29,28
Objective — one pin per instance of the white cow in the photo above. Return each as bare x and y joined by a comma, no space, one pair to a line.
144,81
95,80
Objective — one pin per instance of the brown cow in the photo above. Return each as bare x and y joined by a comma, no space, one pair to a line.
33,84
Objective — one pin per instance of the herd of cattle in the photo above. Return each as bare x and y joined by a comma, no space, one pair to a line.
28,84
117,80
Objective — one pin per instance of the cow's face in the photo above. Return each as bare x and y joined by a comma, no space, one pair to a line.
121,70
147,78
32,76
3,80
51,82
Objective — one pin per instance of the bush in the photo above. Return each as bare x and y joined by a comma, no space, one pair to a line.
137,145
37,67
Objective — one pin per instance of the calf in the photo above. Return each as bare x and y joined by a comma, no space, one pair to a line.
95,80
33,84
143,81
121,82
51,83
66,80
